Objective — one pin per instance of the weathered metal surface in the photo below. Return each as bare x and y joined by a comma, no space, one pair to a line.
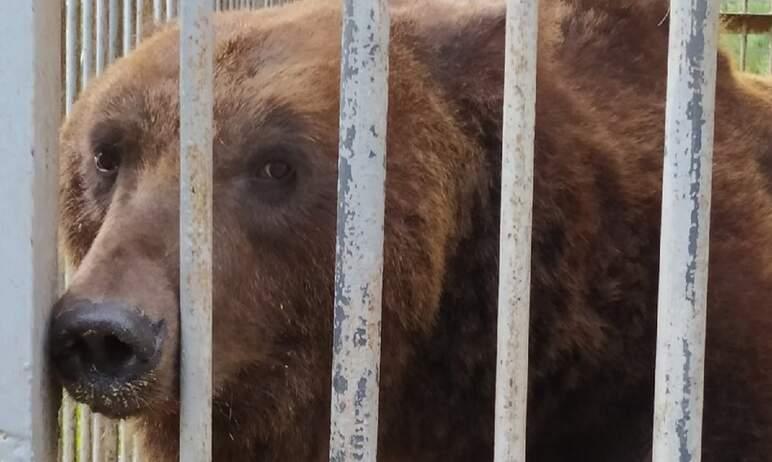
128,25
685,229
30,113
171,9
196,119
515,232
359,248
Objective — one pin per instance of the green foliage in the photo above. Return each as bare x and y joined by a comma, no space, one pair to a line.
757,51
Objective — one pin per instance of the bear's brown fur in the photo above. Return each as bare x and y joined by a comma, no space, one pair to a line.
599,145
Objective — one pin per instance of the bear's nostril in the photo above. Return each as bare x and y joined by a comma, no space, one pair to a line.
116,352
98,344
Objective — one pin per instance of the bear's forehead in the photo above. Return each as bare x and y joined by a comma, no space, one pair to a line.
264,61
275,71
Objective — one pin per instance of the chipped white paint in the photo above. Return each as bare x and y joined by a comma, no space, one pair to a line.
515,229
30,113
685,228
196,121
359,249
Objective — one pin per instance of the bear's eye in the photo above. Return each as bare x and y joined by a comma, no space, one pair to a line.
275,170
107,161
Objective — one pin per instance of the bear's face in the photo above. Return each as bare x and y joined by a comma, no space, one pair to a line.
115,332
274,211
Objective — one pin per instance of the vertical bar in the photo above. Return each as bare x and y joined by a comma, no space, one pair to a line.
515,232
769,45
30,112
68,428
686,195
128,27
86,39
84,433
125,442
744,41
101,35
171,10
138,22
112,30
157,11
136,454
359,247
105,439
196,119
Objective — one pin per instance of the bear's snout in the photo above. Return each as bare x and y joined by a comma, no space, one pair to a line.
105,353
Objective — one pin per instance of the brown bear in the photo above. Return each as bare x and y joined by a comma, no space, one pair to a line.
598,167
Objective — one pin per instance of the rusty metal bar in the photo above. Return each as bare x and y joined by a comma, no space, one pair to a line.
196,121
686,194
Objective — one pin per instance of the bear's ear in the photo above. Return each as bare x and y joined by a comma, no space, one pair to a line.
462,44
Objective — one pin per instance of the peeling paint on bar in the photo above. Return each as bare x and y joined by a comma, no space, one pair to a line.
515,230
684,252
30,113
196,117
359,248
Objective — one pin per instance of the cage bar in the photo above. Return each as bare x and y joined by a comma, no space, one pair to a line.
128,26
101,35
157,11
139,9
30,113
515,233
686,194
86,39
359,242
196,121
171,10
105,439
112,30
84,433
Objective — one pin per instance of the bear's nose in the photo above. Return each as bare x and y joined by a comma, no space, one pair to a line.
94,343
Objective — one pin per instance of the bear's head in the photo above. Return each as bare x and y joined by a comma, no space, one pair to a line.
115,332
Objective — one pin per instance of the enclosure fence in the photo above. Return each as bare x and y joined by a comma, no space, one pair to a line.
97,32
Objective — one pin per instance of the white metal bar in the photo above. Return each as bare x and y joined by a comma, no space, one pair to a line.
157,11
112,30
86,40
515,232
359,247
30,112
128,27
136,454
84,431
171,10
126,443
101,35
196,120
104,439
68,428
686,194
140,18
